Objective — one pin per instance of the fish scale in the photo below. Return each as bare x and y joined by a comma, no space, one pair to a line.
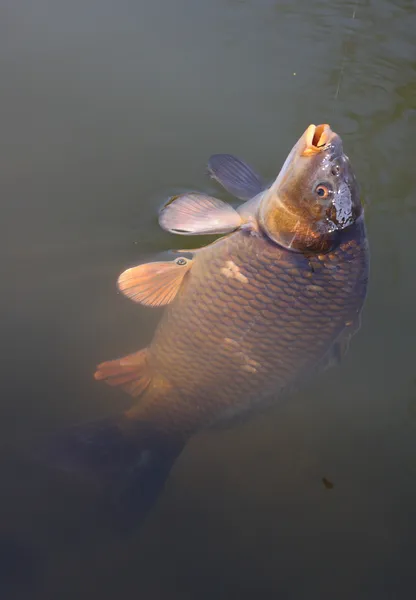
224,343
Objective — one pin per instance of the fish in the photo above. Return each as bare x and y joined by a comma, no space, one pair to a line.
270,302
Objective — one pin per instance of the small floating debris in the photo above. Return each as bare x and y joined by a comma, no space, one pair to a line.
328,484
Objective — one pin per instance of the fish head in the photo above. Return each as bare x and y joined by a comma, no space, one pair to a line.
315,195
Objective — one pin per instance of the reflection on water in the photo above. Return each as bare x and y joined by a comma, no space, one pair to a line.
108,108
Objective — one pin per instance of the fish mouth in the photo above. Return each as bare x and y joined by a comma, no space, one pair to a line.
317,138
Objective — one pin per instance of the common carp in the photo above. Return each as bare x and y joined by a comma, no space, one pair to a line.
247,317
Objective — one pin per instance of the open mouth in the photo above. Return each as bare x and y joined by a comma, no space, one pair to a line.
317,138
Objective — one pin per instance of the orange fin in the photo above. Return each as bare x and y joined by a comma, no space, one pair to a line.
154,284
131,372
198,214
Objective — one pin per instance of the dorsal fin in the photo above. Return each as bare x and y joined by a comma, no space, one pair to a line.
198,214
235,176
156,283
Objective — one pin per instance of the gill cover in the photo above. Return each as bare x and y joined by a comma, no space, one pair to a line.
315,195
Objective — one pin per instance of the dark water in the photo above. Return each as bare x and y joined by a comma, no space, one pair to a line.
109,107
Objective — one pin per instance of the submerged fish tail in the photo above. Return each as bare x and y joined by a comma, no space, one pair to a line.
127,456
128,461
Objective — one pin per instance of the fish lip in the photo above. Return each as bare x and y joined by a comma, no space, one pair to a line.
317,138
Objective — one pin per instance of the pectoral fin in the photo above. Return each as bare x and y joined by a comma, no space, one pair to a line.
156,283
198,214
235,176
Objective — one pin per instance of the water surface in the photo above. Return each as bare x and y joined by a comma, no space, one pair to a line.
109,107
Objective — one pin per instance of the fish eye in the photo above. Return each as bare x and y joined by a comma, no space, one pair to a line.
181,261
323,190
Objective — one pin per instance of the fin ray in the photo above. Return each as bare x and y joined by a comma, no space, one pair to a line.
131,373
198,214
235,176
156,283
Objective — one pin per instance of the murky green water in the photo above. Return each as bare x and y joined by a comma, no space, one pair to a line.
109,107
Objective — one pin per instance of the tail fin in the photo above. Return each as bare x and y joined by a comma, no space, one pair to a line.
130,461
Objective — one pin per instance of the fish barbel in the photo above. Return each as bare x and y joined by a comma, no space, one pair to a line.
248,316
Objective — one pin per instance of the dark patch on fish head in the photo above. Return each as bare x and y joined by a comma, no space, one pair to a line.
315,195
333,186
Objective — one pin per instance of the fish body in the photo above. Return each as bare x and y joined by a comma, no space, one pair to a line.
247,318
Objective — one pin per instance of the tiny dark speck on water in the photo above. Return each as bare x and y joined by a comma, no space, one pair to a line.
328,484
